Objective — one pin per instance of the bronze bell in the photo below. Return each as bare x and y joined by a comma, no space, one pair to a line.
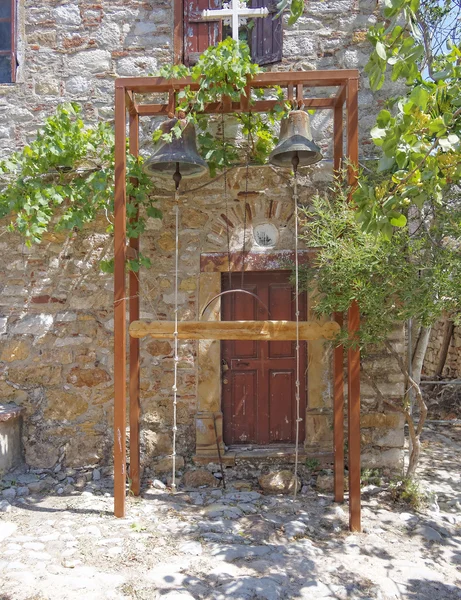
178,155
295,141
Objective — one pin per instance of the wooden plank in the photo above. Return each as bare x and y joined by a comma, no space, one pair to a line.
235,330
338,416
120,305
135,407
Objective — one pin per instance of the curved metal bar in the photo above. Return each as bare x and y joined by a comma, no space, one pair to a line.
235,292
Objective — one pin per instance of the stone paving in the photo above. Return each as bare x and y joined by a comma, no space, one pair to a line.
236,543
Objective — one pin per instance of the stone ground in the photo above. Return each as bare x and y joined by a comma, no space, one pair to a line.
216,544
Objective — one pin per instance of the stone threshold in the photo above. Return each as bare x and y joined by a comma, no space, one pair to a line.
276,454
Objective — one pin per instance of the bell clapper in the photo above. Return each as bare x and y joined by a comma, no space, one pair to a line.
177,177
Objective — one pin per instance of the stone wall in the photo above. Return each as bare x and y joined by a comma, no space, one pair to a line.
452,367
56,306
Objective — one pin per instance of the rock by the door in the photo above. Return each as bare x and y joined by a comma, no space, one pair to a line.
199,477
279,482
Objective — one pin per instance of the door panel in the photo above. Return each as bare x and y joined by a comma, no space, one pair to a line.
243,424
281,413
259,403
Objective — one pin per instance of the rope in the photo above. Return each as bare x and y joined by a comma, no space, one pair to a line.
223,134
175,334
245,204
297,393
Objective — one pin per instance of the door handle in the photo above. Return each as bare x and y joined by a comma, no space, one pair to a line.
243,364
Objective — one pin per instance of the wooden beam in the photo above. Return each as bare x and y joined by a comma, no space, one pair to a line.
235,330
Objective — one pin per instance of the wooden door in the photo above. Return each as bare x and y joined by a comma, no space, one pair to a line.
259,377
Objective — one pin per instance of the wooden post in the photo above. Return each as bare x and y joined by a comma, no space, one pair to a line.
353,327
135,409
120,304
338,416
338,354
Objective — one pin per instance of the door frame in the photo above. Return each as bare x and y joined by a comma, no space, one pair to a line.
208,420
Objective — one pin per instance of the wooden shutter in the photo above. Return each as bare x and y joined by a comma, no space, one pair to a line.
7,41
198,35
266,35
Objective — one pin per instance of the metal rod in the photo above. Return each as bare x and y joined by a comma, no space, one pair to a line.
120,305
135,408
353,327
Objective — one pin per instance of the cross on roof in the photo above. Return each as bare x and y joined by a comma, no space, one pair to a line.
235,12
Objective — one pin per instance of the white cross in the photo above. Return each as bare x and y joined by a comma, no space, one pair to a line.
235,12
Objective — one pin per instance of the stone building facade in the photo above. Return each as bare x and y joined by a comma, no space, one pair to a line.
56,320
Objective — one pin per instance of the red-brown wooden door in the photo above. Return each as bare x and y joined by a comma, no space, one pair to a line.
259,404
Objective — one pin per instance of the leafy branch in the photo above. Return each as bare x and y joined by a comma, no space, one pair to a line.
65,178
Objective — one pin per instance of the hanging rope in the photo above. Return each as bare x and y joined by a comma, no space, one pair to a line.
247,173
295,162
229,269
177,179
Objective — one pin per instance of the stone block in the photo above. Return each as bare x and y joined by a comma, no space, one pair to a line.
157,443
68,15
279,482
10,437
87,377
165,465
63,406
319,431
198,478
35,375
41,454
90,61
159,348
135,66
392,438
390,420
391,458
84,449
14,350
35,325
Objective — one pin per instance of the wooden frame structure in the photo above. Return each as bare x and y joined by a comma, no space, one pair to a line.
128,99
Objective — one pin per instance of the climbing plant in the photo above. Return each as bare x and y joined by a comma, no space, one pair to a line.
65,178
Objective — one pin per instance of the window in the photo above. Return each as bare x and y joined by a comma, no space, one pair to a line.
264,36
7,41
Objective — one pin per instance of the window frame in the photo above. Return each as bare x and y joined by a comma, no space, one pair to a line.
12,51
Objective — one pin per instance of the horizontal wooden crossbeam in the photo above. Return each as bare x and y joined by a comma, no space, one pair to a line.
235,330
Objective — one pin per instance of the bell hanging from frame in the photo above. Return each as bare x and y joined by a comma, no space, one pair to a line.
178,155
295,141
